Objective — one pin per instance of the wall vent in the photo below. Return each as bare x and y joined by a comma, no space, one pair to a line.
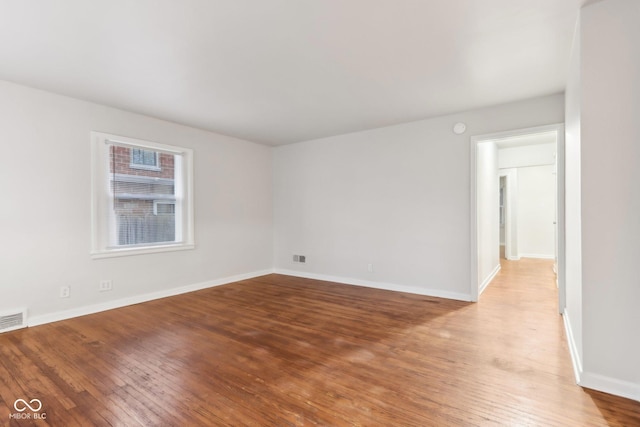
13,320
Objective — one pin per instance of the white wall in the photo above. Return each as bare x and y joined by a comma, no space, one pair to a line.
526,155
45,185
488,204
397,197
573,216
535,197
536,211
610,150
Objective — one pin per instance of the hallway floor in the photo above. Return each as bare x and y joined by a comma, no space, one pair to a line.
520,311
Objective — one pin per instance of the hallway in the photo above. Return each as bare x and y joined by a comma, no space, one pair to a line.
519,311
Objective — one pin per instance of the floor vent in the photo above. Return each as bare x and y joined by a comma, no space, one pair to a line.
14,320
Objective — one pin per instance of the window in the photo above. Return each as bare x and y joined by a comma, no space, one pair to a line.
145,159
164,207
142,196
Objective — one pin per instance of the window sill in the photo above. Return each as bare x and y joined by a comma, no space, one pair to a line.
111,253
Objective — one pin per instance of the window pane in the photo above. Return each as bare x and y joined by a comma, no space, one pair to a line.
144,157
134,192
163,208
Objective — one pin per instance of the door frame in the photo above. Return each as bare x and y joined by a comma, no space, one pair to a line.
510,213
560,203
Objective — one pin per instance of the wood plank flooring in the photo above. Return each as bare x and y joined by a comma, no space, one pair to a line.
284,351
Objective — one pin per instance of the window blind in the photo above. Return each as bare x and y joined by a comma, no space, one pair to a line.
136,193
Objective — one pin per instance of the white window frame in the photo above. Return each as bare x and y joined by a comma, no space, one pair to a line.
102,199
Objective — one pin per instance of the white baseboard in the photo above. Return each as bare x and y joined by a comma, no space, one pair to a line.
611,385
596,381
513,258
539,256
489,278
137,299
573,348
378,285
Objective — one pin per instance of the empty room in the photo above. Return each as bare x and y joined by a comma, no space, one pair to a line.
292,213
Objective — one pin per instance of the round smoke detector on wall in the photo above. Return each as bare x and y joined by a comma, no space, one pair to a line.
459,128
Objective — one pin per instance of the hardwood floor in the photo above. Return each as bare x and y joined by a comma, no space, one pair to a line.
284,351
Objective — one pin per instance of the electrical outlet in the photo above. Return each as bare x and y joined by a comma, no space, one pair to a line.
296,258
106,285
302,258
65,291
370,268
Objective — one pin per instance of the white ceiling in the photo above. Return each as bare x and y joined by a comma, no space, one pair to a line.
282,71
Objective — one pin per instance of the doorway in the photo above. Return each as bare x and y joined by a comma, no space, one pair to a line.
503,208
494,201
508,214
